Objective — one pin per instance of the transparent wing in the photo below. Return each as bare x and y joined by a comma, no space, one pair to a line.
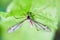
39,26
15,27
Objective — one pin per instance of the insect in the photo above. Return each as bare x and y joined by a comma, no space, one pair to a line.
29,17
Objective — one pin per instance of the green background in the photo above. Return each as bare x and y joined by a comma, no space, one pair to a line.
25,32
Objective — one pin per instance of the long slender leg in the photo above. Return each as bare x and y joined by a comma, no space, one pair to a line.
19,17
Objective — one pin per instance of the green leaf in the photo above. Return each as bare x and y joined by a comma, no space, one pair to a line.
19,7
45,12
2,16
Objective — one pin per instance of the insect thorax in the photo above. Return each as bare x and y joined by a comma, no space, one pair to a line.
30,16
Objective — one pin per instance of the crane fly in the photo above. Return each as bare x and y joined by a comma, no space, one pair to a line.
29,17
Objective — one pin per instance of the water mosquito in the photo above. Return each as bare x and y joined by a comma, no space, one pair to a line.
38,25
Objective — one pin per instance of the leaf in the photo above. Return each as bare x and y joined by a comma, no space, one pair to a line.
44,12
2,16
19,7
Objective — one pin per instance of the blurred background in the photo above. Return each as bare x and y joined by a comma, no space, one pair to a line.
5,3
3,6
57,33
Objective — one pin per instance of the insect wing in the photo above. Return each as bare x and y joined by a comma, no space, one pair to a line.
38,27
41,26
15,27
